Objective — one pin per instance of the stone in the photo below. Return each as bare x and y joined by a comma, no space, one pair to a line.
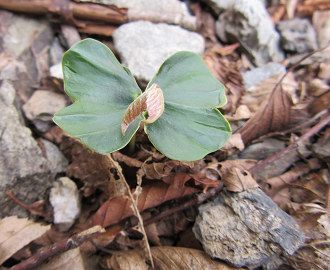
321,22
160,11
23,169
56,52
70,35
297,36
249,23
247,229
220,5
143,46
25,42
57,161
262,149
56,71
256,75
65,200
42,106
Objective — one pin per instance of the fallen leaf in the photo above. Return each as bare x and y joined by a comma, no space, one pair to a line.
15,233
117,208
308,7
274,115
90,167
226,71
165,258
71,259
234,143
320,103
238,179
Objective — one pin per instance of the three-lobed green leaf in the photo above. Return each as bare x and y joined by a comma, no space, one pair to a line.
102,89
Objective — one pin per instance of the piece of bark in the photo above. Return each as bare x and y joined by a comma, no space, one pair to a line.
67,9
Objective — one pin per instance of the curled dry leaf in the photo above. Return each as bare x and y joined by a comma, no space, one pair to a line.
274,115
234,143
117,208
15,233
237,180
236,176
165,258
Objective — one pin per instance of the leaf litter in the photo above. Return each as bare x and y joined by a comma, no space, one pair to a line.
297,179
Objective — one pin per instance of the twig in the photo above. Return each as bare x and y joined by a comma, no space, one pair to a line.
75,241
273,185
298,127
67,9
133,205
196,200
292,147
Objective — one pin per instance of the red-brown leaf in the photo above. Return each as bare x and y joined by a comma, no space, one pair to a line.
118,208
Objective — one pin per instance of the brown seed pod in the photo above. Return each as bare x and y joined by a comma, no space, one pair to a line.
150,101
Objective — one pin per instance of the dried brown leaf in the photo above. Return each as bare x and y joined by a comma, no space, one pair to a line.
117,208
71,259
15,233
309,6
274,115
165,258
320,103
227,71
91,168
237,180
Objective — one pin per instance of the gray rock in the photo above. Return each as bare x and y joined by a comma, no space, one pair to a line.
23,169
42,106
56,52
246,229
297,36
220,5
56,160
262,149
25,43
160,11
249,23
65,199
321,22
70,35
143,46
255,76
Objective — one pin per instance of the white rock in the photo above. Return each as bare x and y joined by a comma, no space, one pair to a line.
256,75
65,199
160,11
41,107
57,161
56,71
144,46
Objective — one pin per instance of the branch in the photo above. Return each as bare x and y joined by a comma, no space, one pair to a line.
88,17
134,206
292,147
83,11
45,253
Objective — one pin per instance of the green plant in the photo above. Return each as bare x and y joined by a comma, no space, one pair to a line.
179,107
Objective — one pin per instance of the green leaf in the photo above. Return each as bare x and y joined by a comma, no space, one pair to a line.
101,90
191,126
